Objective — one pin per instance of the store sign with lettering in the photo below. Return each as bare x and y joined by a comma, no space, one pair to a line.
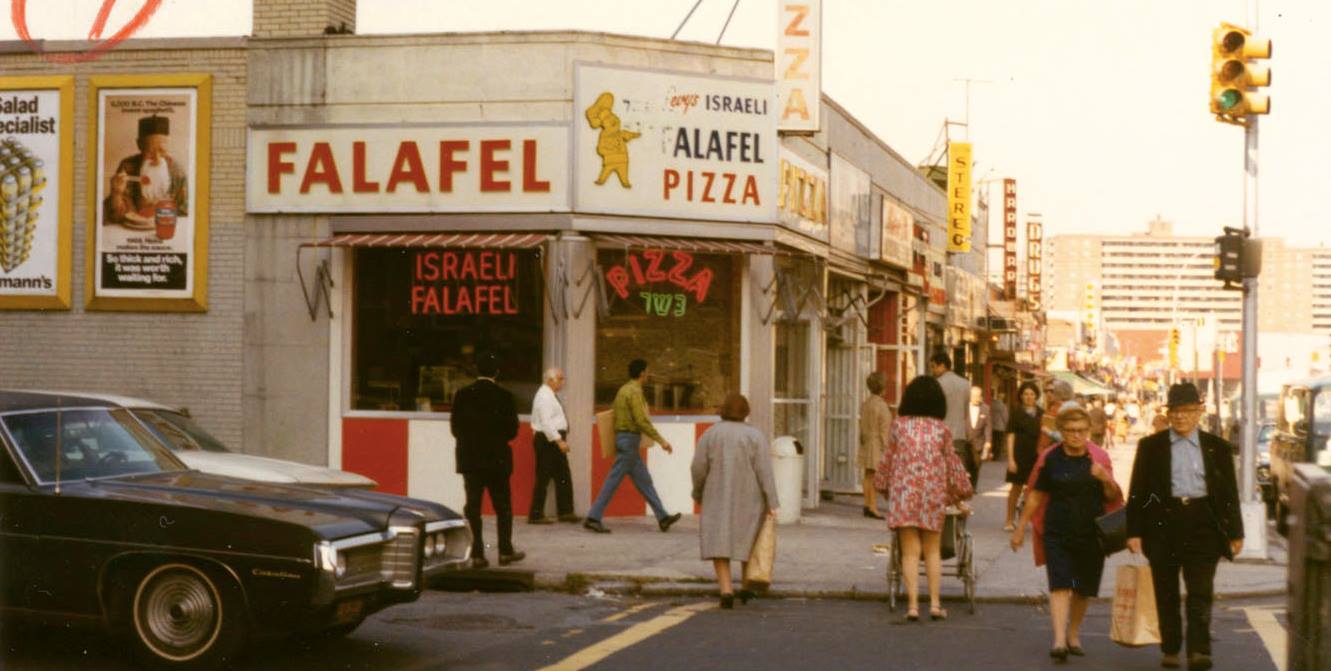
674,145
802,199
464,282
409,169
799,64
662,281
1010,267
1034,262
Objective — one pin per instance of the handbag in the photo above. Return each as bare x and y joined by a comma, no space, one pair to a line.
758,571
1111,529
1134,622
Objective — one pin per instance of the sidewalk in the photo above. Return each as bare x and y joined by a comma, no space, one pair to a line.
830,553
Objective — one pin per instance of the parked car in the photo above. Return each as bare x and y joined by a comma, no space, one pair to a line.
1265,432
99,521
201,451
1303,424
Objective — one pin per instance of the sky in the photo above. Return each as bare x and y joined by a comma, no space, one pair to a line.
1098,109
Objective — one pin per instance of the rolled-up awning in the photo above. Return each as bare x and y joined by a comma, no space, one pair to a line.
703,245
524,240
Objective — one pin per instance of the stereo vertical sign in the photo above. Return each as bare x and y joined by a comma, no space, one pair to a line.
1010,239
799,64
958,196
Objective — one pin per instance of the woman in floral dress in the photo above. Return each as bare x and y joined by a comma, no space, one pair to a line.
920,475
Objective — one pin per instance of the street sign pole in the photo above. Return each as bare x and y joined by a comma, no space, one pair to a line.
1254,511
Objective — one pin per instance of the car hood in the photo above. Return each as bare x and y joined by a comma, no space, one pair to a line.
264,469
329,514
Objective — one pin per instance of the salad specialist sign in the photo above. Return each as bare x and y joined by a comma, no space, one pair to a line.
675,145
36,206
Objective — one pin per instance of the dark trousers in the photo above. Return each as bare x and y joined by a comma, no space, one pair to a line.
551,464
1194,551
1000,443
969,459
476,485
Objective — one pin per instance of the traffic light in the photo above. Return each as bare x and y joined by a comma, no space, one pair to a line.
1090,305
1229,257
1236,74
1173,347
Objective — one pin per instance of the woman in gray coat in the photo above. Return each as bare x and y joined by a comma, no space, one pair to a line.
732,480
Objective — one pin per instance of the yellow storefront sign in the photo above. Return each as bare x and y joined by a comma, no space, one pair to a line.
959,196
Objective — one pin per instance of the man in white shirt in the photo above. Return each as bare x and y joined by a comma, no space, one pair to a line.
549,428
958,393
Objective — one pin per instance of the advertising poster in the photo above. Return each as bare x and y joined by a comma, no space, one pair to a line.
36,207
898,233
149,223
675,145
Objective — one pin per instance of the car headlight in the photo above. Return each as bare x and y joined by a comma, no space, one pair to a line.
439,544
341,569
429,547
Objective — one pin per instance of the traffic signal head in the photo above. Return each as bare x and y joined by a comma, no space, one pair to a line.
1229,257
1236,74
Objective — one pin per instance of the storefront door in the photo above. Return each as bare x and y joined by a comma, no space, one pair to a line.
795,399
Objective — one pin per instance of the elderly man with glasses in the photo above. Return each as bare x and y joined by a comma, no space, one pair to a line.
1183,512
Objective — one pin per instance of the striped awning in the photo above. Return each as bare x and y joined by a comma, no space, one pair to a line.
704,245
524,240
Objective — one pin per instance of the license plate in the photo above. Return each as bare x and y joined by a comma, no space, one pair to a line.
349,611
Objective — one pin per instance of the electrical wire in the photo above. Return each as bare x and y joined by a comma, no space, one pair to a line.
728,18
686,19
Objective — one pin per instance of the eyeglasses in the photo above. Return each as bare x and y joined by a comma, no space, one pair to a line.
1081,431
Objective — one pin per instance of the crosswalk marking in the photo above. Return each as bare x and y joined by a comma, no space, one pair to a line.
628,611
629,637
1269,630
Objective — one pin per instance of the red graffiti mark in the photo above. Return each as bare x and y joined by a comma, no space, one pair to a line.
19,16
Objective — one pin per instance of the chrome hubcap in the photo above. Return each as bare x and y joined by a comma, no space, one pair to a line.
178,613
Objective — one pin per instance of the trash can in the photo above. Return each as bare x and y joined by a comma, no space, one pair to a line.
788,471
1309,569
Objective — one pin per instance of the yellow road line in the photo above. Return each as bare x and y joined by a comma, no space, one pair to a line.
1272,634
629,637
628,611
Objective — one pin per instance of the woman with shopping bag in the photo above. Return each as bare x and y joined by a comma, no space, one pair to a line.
1072,484
732,481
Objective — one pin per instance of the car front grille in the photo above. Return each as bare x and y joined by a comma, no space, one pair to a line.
383,558
400,559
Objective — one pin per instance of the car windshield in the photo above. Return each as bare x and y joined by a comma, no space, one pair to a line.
1264,433
86,443
180,433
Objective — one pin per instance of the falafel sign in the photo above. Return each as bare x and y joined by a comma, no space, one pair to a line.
149,237
36,206
674,145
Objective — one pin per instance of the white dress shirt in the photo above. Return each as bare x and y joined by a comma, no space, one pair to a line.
547,414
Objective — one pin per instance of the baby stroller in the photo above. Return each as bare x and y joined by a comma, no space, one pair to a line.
957,549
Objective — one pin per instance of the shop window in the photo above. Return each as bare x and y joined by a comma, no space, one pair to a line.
421,315
679,311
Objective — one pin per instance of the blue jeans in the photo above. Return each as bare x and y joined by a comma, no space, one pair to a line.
628,461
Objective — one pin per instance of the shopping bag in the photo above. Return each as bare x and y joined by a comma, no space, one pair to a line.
605,430
758,572
1134,623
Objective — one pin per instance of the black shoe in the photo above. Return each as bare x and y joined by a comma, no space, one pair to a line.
668,521
1169,661
595,525
745,595
1076,651
479,562
570,518
1059,654
1199,662
727,601
870,513
540,520
511,558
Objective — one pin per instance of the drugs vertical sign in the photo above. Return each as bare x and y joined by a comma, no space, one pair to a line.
36,206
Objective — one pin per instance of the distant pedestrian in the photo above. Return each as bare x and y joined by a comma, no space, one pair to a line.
998,416
957,391
1134,412
631,421
1159,423
921,475
1111,422
549,441
1098,421
1023,447
732,481
875,422
980,423
1072,484
484,420
1183,512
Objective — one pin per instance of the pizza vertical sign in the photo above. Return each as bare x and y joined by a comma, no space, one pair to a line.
1034,262
675,145
148,226
36,186
799,64
1010,239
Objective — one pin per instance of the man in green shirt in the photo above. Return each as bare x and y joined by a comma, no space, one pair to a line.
631,423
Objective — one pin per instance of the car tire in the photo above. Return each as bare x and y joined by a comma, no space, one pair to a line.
181,616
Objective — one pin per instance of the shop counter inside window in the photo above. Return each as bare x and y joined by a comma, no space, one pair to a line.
420,316
680,312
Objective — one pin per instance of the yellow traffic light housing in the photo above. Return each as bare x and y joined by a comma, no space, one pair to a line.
1235,74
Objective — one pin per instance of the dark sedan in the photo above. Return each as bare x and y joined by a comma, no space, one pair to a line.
100,522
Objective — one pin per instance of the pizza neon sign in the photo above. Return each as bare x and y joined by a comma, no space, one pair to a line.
648,269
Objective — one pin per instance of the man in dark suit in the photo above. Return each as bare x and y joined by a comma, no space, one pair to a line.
1183,512
485,419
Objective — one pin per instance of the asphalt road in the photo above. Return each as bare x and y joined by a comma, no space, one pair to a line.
495,632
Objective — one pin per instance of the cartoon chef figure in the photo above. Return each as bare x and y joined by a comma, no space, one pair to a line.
613,144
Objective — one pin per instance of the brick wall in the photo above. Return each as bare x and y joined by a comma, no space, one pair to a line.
192,360
299,18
